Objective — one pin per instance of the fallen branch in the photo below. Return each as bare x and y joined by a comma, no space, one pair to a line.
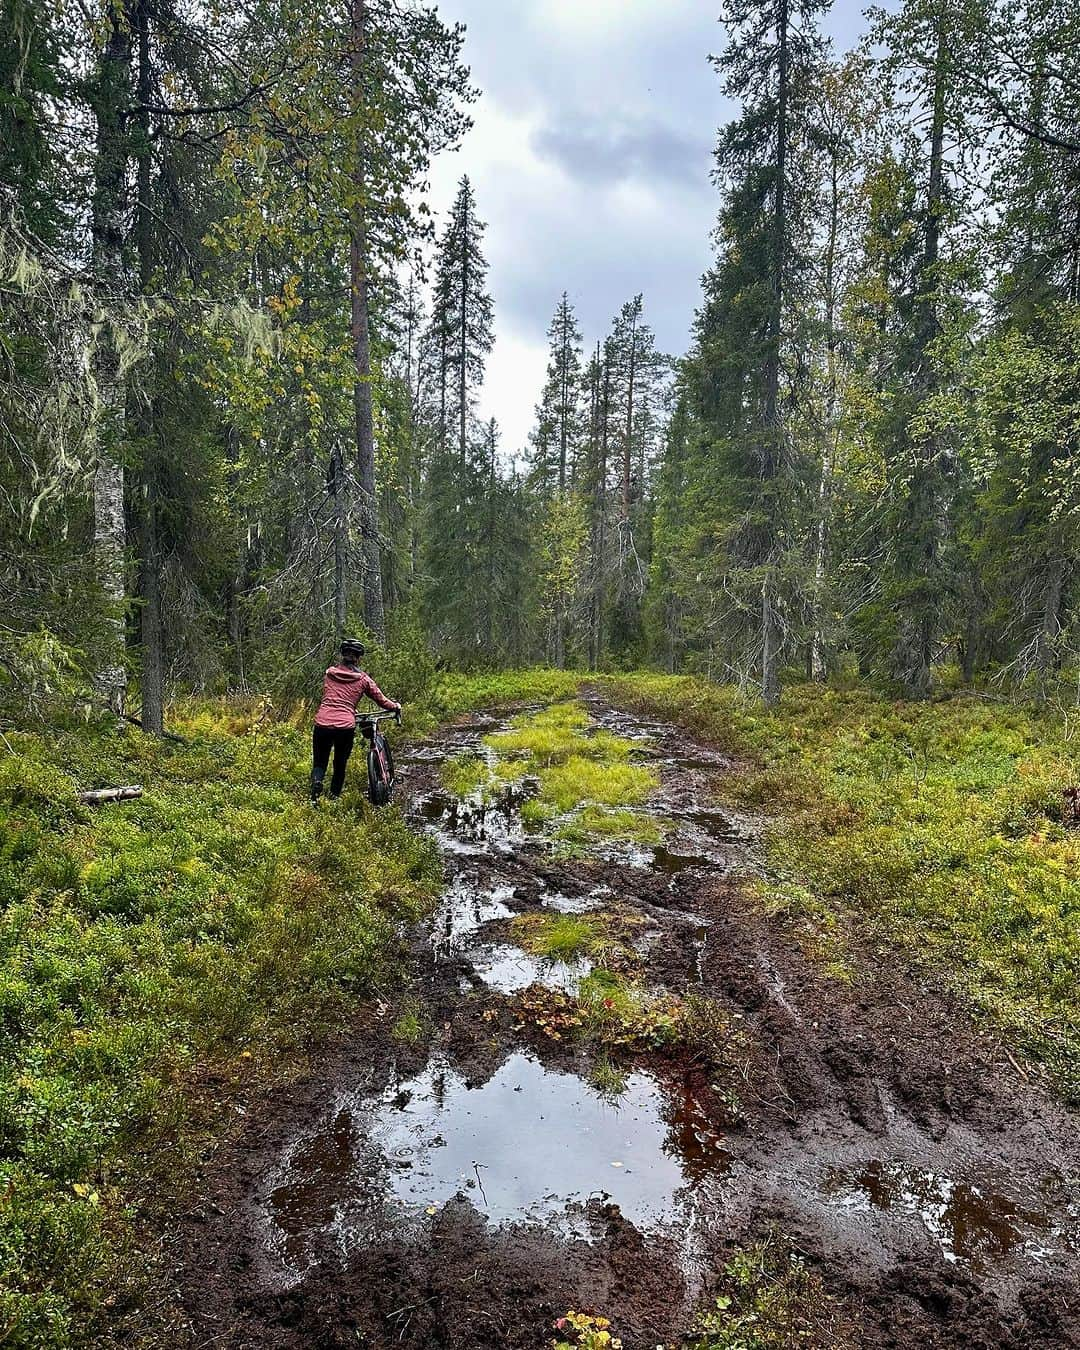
116,794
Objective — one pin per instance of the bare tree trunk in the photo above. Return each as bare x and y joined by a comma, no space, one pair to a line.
772,432
361,336
234,585
1046,644
819,666
112,95
914,648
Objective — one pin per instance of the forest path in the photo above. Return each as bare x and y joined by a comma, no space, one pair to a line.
459,1171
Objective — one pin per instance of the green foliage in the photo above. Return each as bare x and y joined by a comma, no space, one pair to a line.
584,1331
215,920
456,693
586,780
607,1078
772,1302
595,822
411,1026
937,826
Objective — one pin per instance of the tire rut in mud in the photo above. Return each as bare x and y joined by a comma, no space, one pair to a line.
467,1190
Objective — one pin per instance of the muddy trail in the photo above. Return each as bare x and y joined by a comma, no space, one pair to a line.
462,1168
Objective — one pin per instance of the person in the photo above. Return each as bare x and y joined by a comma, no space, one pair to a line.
335,722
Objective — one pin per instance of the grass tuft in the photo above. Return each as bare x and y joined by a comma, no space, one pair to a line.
562,937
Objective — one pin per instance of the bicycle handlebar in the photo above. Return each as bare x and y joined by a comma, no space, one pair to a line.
379,717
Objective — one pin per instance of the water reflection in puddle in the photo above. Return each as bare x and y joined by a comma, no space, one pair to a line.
530,1144
970,1223
472,825
575,904
508,969
465,908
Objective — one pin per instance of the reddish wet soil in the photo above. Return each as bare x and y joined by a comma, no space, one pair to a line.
466,1190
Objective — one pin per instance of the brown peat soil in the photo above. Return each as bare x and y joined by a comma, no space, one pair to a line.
463,1166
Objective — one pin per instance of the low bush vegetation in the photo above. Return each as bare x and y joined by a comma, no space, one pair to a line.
938,826
214,922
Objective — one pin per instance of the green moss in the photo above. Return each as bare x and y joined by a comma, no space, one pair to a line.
594,822
543,738
580,769
579,781
535,814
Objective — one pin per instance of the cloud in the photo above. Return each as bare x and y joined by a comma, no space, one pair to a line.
610,151
590,156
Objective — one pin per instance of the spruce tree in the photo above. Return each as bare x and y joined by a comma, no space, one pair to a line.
460,336
747,335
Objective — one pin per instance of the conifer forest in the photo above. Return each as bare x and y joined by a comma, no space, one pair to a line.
711,980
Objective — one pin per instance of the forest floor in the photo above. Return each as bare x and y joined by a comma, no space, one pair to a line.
643,1070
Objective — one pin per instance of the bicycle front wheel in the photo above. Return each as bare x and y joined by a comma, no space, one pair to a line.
380,783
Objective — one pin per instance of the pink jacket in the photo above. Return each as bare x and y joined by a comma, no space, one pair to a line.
343,688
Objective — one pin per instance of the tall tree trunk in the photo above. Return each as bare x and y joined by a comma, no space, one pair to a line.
339,488
490,607
463,344
922,523
361,337
772,432
1046,643
564,394
151,628
111,98
235,583
819,665
601,512
594,512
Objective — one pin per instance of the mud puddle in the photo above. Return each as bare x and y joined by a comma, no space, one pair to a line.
529,1145
970,1223
618,1181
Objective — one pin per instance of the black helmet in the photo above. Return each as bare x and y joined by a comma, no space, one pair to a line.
352,647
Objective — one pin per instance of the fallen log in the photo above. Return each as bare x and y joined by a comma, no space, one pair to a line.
117,794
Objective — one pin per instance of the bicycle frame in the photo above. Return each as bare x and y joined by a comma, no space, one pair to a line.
380,757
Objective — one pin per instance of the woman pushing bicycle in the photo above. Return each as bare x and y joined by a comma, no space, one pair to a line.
335,722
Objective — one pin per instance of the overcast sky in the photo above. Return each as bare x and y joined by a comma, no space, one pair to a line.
590,156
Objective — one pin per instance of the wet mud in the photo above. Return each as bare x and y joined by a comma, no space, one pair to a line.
466,1184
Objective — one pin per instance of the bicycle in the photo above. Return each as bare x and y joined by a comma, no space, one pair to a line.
380,758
